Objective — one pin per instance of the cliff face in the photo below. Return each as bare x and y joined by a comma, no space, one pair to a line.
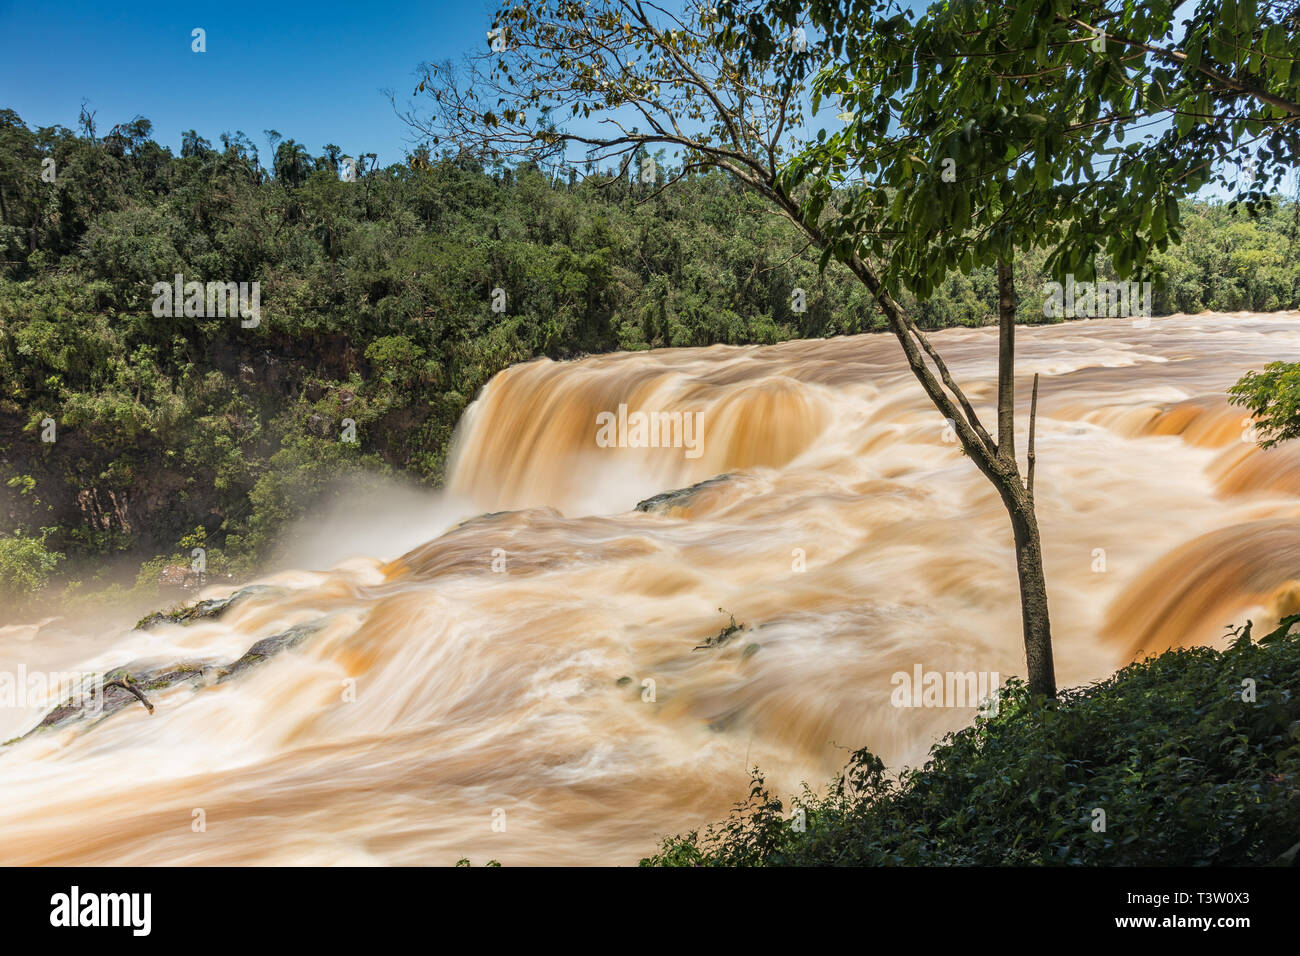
126,498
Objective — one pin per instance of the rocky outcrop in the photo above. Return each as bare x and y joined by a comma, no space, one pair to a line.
133,683
663,503
214,607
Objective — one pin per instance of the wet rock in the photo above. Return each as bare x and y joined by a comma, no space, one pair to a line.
268,647
662,503
200,610
98,703
110,697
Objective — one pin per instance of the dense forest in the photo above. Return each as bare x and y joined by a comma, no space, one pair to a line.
128,439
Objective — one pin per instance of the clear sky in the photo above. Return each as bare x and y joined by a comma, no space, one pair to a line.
313,71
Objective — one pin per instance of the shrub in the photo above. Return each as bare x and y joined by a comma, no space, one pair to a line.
26,563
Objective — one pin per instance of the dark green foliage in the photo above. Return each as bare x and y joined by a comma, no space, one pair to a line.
1273,397
25,562
1187,772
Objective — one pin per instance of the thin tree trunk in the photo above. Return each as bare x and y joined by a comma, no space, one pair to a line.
1006,361
1032,456
1019,499
1034,614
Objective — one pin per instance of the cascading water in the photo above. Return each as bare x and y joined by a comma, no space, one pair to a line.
536,685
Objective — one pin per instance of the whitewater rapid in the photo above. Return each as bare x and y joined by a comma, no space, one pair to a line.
529,686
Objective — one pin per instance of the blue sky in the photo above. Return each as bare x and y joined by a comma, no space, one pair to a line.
315,72
312,71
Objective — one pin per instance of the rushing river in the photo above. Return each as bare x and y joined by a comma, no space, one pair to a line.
526,686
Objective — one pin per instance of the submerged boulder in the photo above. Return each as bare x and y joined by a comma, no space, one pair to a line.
663,503
125,686
199,610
